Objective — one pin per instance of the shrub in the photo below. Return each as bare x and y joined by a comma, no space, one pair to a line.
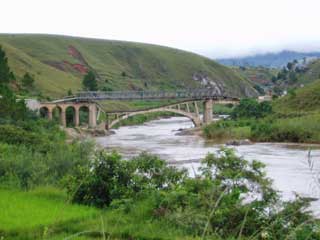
110,178
24,167
16,135
251,108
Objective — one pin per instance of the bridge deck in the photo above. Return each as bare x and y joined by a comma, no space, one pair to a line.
196,94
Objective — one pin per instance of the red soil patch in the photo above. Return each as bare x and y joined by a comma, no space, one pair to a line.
82,67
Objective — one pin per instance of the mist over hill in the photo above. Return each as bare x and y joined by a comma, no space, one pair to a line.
270,60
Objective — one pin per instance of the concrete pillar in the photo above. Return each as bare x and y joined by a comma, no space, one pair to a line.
63,118
76,116
188,109
92,116
207,111
50,114
196,108
108,121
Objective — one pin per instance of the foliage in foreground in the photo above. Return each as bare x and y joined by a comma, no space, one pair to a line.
229,197
33,151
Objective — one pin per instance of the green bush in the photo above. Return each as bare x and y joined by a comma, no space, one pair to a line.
15,135
230,197
110,178
251,108
10,108
23,167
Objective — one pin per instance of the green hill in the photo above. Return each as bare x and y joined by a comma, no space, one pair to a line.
305,99
58,64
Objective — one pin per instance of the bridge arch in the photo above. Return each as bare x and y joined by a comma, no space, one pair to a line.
84,114
194,117
44,112
70,115
57,113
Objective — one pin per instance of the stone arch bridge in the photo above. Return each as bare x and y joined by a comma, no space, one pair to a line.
187,105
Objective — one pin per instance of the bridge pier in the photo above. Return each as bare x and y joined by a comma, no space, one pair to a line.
92,116
50,113
207,111
77,116
63,118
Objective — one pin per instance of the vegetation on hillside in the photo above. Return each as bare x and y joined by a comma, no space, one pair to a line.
296,75
261,77
89,82
58,63
300,101
293,75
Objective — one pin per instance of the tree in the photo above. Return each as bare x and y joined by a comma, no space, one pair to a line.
69,93
10,108
259,89
293,77
90,82
274,79
5,73
27,81
290,65
251,108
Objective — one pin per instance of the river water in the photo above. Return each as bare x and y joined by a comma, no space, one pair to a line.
286,164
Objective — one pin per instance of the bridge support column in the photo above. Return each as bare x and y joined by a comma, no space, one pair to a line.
63,117
76,116
196,109
92,116
50,114
207,111
188,109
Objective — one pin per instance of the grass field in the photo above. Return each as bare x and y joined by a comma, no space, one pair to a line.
45,214
36,212
58,64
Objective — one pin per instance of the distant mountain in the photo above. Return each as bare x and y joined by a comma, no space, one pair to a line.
270,60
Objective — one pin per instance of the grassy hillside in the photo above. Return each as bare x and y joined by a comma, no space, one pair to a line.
304,99
58,63
311,74
258,75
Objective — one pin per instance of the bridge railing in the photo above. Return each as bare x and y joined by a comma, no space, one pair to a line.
140,95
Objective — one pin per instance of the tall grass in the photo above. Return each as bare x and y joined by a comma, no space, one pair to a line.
33,212
303,129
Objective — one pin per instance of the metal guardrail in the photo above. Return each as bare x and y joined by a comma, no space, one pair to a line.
149,95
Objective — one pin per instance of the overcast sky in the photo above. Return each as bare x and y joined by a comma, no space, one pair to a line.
216,28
